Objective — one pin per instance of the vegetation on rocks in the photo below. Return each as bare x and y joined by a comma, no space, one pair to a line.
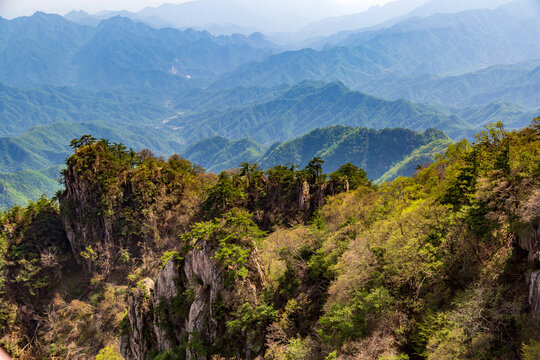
288,263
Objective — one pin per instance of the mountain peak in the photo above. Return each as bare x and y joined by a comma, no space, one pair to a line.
42,16
118,22
76,15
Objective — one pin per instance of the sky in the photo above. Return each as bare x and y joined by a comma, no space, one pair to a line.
14,8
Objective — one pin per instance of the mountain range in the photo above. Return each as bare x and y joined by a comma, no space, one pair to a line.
287,21
310,105
390,13
442,45
223,100
323,184
48,49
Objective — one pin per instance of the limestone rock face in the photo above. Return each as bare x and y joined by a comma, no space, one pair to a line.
534,294
529,212
529,240
187,304
76,205
139,322
304,197
311,198
114,206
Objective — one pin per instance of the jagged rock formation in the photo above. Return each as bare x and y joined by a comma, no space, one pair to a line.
306,198
534,293
530,241
190,304
110,205
141,334
78,204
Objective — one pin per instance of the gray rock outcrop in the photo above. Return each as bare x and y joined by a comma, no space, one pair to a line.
189,304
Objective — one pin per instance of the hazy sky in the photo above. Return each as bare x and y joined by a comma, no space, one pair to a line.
13,8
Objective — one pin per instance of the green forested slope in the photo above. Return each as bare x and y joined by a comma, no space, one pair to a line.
27,185
44,146
311,105
217,154
372,150
200,100
423,156
21,109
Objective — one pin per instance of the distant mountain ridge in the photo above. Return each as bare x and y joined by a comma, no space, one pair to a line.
443,44
24,108
393,12
516,83
228,17
48,49
308,106
266,16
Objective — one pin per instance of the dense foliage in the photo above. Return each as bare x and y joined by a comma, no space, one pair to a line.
377,152
433,266
48,145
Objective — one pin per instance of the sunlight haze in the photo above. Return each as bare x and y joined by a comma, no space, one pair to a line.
14,8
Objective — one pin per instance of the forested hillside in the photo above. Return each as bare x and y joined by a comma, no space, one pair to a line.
173,193
374,151
156,259
24,186
308,106
23,178
21,109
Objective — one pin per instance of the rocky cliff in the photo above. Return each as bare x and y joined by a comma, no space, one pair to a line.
84,226
197,307
117,202
529,240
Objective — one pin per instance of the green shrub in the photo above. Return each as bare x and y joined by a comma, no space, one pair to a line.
109,353
531,350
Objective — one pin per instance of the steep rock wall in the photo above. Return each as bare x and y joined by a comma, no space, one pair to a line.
190,303
529,240
82,225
